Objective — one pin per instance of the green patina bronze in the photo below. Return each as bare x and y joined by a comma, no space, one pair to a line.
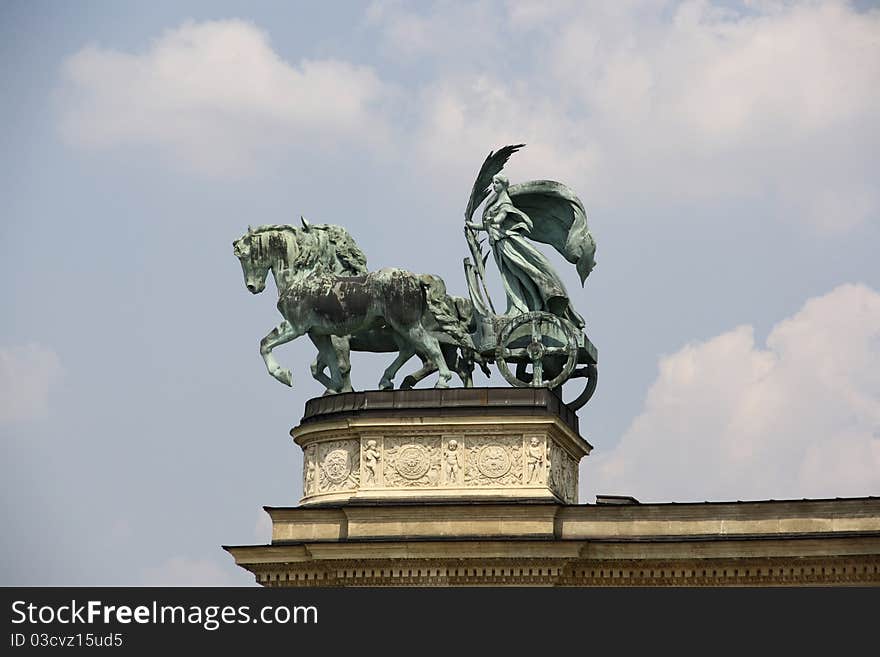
326,292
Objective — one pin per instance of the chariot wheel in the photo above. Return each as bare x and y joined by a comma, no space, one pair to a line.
591,374
544,341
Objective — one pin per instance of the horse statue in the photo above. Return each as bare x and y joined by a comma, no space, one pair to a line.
326,292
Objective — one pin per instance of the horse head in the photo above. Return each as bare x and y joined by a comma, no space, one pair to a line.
294,253
255,250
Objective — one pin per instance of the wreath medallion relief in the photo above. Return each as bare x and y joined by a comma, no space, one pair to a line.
458,463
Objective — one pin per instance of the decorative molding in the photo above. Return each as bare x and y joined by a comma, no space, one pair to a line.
371,461
499,459
453,461
337,430
336,465
494,461
861,570
411,462
310,471
563,474
537,459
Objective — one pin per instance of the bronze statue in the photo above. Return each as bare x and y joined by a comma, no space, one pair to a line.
326,292
541,211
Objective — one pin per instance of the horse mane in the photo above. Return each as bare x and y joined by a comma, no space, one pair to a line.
445,310
348,253
265,228
337,246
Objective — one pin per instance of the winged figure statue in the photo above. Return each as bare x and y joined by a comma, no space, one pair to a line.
515,216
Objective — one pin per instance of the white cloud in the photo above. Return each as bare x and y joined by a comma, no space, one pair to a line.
669,101
185,571
447,31
728,419
713,104
217,97
483,113
26,376
657,101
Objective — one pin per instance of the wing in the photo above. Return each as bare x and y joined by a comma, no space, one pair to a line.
558,219
493,164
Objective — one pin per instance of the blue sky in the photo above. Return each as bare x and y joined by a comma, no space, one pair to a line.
726,155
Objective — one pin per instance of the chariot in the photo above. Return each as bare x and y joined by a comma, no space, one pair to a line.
531,346
326,292
538,350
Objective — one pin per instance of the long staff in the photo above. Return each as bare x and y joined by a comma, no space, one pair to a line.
493,164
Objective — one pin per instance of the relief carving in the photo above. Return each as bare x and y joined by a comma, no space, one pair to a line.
412,464
309,471
452,463
535,461
494,461
563,474
371,457
335,466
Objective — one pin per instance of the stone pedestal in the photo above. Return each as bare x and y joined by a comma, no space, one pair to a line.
470,487
475,444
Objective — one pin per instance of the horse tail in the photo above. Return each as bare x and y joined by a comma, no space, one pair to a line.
442,308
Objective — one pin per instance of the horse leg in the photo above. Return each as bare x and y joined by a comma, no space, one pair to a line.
281,334
328,356
318,366
341,350
464,367
426,345
412,379
457,362
317,369
467,377
405,352
342,347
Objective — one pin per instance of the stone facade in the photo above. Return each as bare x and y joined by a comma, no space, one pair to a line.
479,487
469,452
774,543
